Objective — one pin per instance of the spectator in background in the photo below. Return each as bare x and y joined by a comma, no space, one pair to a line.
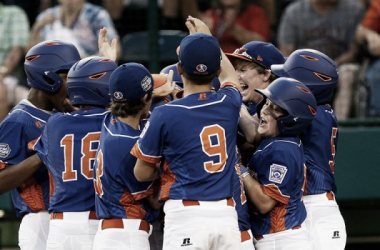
236,22
328,26
368,34
14,27
74,21
175,13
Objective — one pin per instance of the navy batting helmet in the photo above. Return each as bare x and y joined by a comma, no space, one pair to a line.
88,81
294,97
314,69
45,60
176,77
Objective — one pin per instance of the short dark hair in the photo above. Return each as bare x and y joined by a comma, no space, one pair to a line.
125,109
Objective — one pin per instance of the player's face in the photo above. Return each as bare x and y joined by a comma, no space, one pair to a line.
268,119
59,99
250,78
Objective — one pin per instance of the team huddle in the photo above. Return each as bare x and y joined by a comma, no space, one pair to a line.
235,151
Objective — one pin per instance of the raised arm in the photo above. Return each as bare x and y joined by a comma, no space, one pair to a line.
228,73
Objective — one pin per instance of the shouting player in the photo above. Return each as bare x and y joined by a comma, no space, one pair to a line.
46,66
276,190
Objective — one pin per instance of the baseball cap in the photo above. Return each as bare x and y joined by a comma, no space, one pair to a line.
131,81
199,54
261,53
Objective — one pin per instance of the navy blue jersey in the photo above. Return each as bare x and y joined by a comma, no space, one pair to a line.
240,198
320,144
196,135
23,124
119,194
251,107
68,147
280,167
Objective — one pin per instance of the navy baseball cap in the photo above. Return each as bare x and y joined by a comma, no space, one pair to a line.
199,54
261,53
131,81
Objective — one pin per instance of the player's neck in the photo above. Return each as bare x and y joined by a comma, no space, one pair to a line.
38,99
190,88
133,121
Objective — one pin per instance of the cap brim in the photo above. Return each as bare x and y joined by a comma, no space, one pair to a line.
232,57
263,92
278,70
159,80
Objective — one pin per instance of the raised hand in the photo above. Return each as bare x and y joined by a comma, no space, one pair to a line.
107,49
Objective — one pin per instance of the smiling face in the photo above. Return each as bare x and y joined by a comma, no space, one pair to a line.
251,76
269,114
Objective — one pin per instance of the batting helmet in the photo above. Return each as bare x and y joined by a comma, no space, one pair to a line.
45,60
294,97
176,77
88,81
314,69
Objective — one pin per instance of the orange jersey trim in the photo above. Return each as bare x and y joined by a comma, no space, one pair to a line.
136,152
272,191
232,85
167,181
2,165
277,218
31,144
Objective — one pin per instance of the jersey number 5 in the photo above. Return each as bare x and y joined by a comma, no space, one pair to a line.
213,140
334,132
88,156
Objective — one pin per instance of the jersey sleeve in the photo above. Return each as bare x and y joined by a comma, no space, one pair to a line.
40,145
233,91
149,147
12,145
277,179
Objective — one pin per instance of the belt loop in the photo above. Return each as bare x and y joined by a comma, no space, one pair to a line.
330,196
245,236
190,203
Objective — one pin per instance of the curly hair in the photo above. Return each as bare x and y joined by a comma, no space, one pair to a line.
125,109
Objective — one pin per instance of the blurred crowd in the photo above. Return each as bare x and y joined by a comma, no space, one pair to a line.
345,30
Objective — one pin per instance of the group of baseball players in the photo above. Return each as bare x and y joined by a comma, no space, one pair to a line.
236,151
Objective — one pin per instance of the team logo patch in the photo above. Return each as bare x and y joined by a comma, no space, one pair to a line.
146,83
277,173
118,95
5,150
201,68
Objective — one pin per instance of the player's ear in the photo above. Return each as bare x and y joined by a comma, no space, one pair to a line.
179,68
267,74
218,72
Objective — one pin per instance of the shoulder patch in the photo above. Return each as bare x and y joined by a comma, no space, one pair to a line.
277,173
5,150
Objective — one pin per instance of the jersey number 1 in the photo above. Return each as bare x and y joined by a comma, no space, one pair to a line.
88,155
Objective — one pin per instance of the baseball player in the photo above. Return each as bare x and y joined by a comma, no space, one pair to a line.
46,66
252,63
276,191
126,206
67,147
195,141
324,221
